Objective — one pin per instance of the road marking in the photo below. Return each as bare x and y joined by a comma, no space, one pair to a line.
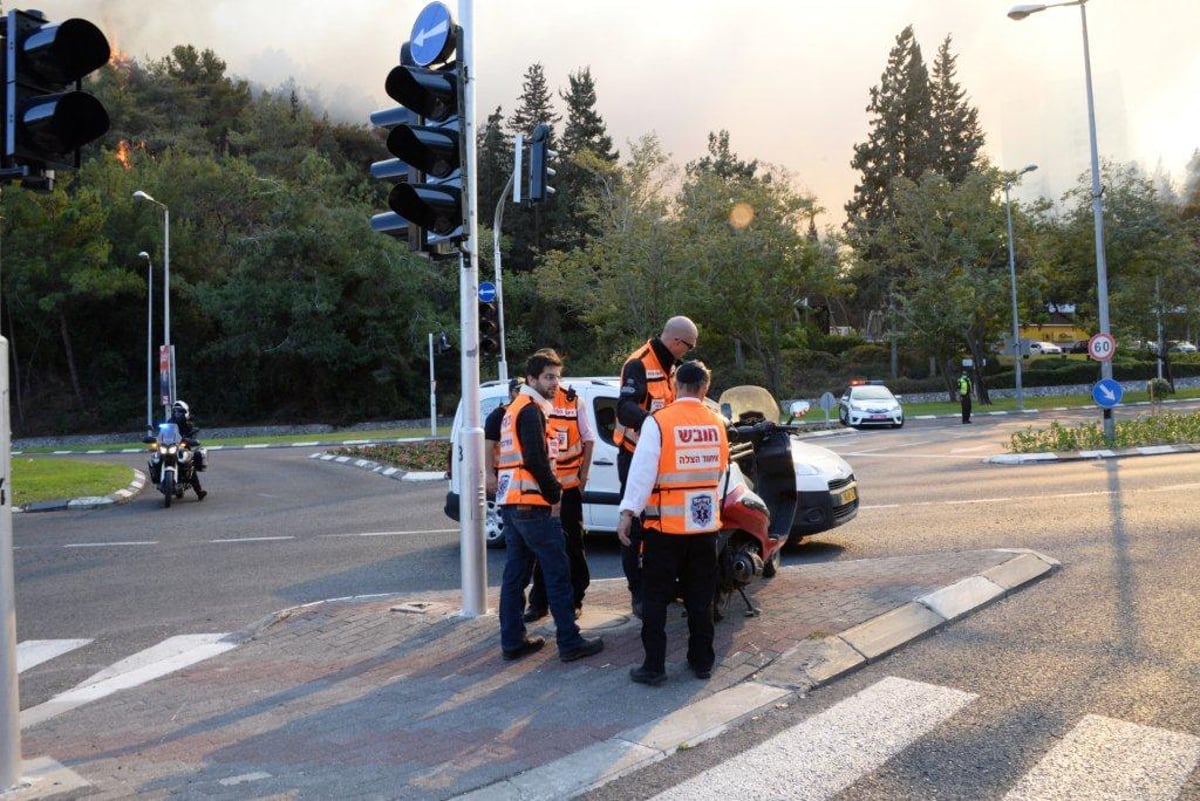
109,544
1111,759
968,501
168,656
971,450
393,533
31,653
255,539
823,755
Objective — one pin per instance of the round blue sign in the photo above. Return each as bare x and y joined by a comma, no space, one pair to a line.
487,292
432,39
1107,393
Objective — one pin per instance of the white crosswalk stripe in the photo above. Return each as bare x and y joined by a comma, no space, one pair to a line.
31,653
1099,759
168,656
839,745
1113,760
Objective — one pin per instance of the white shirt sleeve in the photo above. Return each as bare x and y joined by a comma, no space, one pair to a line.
585,427
643,470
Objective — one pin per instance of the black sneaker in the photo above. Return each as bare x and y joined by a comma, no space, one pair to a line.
701,672
535,613
643,676
531,646
589,648
201,495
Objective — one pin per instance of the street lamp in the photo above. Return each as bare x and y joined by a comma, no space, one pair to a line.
1021,12
1012,275
149,341
140,195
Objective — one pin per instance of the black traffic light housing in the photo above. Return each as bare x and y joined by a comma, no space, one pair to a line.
539,164
47,118
489,327
427,139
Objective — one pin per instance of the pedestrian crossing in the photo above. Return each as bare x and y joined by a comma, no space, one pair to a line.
1099,759
161,659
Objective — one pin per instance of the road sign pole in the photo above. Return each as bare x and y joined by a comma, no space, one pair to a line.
472,501
10,704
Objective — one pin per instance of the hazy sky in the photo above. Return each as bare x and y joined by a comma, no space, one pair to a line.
788,78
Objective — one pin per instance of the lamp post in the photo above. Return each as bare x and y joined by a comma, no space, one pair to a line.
140,195
149,341
497,221
1020,12
1012,276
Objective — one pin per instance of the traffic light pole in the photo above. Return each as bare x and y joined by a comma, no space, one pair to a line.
472,501
497,222
10,705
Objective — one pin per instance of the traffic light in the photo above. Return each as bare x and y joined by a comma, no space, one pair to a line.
426,136
539,166
47,118
489,327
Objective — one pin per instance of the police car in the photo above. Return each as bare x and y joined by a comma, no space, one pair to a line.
827,491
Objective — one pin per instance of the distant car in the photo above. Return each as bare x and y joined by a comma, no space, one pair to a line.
870,405
1182,347
1044,349
1078,346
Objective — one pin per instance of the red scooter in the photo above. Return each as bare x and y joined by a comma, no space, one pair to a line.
755,523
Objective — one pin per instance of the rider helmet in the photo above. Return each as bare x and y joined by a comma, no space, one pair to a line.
181,408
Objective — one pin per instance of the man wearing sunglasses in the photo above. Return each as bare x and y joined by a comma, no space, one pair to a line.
647,385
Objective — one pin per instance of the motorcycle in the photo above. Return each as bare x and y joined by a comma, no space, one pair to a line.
172,463
757,513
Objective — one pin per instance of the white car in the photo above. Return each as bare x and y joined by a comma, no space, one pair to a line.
1044,349
1182,347
826,490
870,405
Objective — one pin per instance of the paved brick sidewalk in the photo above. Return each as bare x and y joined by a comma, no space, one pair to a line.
401,698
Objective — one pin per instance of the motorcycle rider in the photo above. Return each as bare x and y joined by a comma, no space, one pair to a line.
181,415
673,484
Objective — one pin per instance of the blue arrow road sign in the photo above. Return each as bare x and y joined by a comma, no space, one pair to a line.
1107,393
487,291
430,42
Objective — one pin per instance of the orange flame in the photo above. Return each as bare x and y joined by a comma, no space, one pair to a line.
123,154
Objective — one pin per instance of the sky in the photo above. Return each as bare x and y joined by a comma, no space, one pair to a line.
789,79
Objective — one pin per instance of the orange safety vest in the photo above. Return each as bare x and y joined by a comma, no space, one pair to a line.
695,452
564,431
660,392
514,483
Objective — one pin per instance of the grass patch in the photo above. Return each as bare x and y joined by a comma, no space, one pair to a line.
1167,428
54,479
432,455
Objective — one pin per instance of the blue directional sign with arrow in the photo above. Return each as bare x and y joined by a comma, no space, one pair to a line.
487,292
432,35
1107,393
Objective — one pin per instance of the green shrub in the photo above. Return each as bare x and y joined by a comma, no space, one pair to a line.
1158,429
1159,388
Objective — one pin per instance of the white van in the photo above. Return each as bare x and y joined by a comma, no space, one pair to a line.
827,492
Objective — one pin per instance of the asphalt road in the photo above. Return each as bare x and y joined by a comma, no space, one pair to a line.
1090,672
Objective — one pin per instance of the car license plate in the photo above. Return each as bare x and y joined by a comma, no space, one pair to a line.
879,417
846,496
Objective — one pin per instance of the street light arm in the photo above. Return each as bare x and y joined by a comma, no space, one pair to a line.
1025,9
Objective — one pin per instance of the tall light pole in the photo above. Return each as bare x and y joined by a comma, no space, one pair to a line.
149,341
140,195
1012,276
1021,12
497,221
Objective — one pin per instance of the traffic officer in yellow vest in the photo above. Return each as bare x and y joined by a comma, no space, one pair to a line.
674,484
647,385
570,429
528,493
964,395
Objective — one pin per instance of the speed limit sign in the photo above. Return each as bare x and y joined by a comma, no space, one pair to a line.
1101,347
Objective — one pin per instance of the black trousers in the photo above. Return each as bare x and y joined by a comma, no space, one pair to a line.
683,564
631,555
965,400
581,576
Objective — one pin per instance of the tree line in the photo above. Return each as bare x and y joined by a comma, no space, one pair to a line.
286,307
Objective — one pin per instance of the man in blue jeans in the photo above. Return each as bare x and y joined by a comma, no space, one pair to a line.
529,496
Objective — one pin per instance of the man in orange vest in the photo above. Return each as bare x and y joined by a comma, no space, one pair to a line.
528,494
572,432
674,485
646,387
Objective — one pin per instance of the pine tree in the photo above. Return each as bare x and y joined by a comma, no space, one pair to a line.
585,127
532,228
534,104
495,164
958,137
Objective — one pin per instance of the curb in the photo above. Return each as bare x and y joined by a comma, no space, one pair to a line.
384,470
89,502
1103,453
788,678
